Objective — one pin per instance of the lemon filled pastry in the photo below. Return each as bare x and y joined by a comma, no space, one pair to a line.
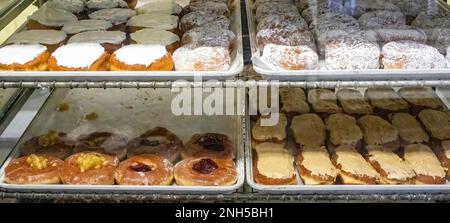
79,57
110,40
205,171
156,36
52,39
50,18
34,169
79,26
30,57
140,57
273,165
315,167
425,164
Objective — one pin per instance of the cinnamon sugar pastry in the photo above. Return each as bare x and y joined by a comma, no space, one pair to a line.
209,145
392,168
276,133
139,57
110,40
189,58
103,142
34,169
342,129
409,129
89,168
425,164
382,18
79,26
378,131
420,98
205,171
17,57
385,100
293,101
144,170
199,18
284,37
353,168
353,102
79,57
323,101
411,55
436,123
209,36
49,18
54,144
442,150
158,37
315,167
279,57
275,8
309,130
274,167
158,141
52,39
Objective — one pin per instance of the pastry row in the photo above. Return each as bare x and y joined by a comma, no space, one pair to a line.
294,35
64,35
94,159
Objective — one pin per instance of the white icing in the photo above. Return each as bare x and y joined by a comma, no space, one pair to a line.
139,54
50,16
86,25
73,6
78,55
48,37
106,4
154,20
20,54
154,36
160,6
116,16
188,58
114,37
279,57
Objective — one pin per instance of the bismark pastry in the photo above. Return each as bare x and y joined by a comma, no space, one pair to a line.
52,39
30,57
105,4
315,167
155,21
205,171
425,164
79,26
280,57
285,37
50,18
117,16
79,57
160,6
141,57
73,6
144,170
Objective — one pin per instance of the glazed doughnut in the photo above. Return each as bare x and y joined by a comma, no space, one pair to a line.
211,145
144,170
53,144
19,57
141,57
89,168
103,142
205,171
158,141
33,169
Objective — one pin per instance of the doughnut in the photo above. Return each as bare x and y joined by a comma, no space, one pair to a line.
432,19
103,142
17,57
439,38
73,6
257,3
211,145
333,21
205,171
386,35
382,19
361,7
410,8
161,7
79,57
284,37
158,37
154,20
89,168
140,57
283,22
411,55
199,18
110,40
279,57
54,144
34,169
86,25
117,16
209,36
106,4
52,39
218,8
275,8
144,170
189,58
158,141
50,18
324,7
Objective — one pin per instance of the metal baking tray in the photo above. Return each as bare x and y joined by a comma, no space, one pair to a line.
130,112
337,189
237,66
324,74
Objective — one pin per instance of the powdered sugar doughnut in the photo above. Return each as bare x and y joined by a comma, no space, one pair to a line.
410,8
275,8
333,21
260,2
440,39
196,19
313,11
189,58
209,36
355,50
291,23
284,37
218,8
280,57
381,19
386,35
433,19
357,8
411,55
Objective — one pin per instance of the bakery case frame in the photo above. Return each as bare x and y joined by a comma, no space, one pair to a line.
242,80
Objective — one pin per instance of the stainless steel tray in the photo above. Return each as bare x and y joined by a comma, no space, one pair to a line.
236,67
324,74
300,188
129,112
